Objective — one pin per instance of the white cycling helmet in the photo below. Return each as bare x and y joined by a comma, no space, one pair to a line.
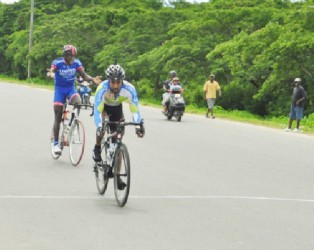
115,72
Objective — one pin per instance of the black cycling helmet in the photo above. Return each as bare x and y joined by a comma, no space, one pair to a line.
173,73
69,50
115,72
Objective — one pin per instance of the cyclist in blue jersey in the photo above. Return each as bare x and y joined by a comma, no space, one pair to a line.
108,103
64,70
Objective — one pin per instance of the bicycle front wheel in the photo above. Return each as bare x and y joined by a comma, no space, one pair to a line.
101,177
122,176
76,142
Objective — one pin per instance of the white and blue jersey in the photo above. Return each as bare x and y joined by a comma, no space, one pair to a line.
104,96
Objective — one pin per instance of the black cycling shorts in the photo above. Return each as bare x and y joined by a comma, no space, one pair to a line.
115,114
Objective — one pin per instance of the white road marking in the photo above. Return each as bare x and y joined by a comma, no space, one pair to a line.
167,197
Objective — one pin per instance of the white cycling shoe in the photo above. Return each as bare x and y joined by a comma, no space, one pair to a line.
57,149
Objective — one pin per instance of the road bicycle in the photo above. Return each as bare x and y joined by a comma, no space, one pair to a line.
115,162
72,134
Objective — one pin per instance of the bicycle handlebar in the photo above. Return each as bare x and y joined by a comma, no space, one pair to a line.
121,123
83,105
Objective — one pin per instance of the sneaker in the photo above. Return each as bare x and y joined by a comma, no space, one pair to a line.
97,154
57,149
288,130
296,130
121,184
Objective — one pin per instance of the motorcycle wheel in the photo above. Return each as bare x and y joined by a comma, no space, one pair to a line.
85,100
179,115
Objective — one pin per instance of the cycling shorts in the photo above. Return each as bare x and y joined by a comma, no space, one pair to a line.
115,114
62,94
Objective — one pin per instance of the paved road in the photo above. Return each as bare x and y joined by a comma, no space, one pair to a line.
197,184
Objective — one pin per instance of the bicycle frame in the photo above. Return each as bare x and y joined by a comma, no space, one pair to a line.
72,134
75,113
117,161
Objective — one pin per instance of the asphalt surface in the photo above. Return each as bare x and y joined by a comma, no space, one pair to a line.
195,184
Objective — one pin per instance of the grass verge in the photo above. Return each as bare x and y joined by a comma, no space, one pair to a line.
306,126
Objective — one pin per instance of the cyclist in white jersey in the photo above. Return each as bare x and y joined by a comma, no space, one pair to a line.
108,103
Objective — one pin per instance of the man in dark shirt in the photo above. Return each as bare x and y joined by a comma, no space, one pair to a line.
297,105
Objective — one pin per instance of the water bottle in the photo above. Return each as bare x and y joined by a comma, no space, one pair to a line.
112,148
65,134
110,153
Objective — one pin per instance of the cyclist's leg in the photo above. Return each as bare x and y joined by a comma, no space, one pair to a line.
74,96
99,136
115,114
58,105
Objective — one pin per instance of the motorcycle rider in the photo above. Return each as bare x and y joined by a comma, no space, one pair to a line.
166,87
174,84
83,87
166,84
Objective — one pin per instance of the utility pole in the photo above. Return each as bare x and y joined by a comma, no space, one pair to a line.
30,38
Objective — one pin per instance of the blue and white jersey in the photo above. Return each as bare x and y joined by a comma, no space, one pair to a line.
104,96
64,73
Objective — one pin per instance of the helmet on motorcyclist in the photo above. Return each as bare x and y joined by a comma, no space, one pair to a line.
115,72
80,79
69,50
173,73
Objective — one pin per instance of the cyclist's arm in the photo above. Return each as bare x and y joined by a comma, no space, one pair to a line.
50,71
96,80
133,101
99,103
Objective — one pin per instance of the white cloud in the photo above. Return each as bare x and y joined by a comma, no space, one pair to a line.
8,1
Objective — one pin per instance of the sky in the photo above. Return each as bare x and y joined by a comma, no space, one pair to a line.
192,1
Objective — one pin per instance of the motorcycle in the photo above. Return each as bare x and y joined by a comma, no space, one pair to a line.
85,92
176,105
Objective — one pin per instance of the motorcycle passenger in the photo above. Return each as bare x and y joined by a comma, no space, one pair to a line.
175,84
63,70
108,103
166,87
83,87
166,84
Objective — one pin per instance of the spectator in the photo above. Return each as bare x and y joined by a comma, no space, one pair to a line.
297,105
210,93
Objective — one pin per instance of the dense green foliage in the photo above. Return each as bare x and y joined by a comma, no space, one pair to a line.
254,47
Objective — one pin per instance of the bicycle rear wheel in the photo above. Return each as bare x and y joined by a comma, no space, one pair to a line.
122,173
76,142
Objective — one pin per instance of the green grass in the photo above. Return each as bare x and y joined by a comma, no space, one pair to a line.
307,123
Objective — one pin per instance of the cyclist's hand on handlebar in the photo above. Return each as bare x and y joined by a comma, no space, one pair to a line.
140,131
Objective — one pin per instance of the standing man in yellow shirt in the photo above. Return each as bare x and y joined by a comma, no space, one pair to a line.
210,93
